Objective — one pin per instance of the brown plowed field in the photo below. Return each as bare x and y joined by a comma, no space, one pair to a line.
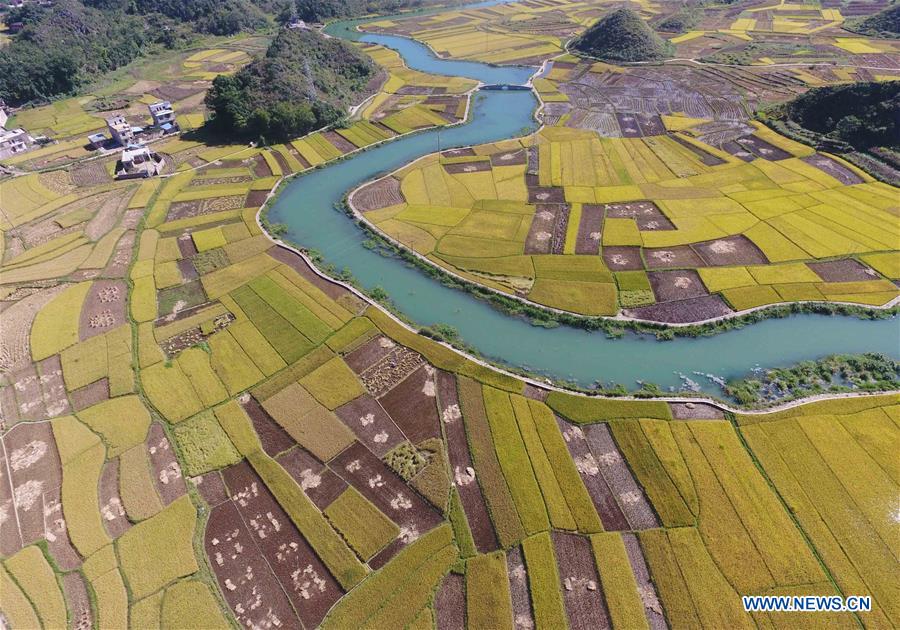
686,311
307,582
413,405
89,395
622,258
319,483
732,250
669,286
380,194
579,583
523,617
847,270
462,469
629,495
273,438
112,512
604,501
669,257
166,471
371,424
590,229
450,603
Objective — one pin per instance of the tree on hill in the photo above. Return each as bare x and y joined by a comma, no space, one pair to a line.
302,84
885,23
623,36
863,115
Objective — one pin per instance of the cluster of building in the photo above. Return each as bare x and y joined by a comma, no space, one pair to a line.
12,141
137,159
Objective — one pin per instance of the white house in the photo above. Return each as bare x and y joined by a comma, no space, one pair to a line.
120,130
14,141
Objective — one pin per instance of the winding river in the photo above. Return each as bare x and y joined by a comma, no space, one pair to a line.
307,207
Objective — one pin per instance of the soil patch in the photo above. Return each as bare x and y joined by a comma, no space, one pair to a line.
468,167
590,229
669,286
547,234
371,424
535,393
833,168
646,589
523,616
78,601
245,580
610,512
256,198
413,405
96,392
510,158
546,195
462,470
340,142
390,370
762,149
625,489
732,250
112,512
55,401
273,438
211,488
308,583
166,471
647,215
319,483
579,583
104,308
695,411
672,257
622,258
450,603
33,465
370,353
683,312
379,194
847,270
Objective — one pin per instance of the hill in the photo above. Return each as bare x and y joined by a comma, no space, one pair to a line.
863,115
622,36
885,23
302,84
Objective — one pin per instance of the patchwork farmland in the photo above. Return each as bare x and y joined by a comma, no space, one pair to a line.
198,428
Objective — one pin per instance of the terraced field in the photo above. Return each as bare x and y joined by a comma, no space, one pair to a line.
199,429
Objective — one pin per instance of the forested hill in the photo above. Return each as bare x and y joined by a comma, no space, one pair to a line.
622,36
321,10
72,42
303,83
885,23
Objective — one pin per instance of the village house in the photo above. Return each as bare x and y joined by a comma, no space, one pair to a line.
97,140
163,116
13,142
120,130
3,117
139,161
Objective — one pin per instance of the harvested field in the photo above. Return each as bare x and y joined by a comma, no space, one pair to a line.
319,483
78,601
389,493
671,257
462,470
371,424
669,286
166,471
212,488
254,594
547,234
391,369
696,411
733,250
450,603
834,168
590,230
413,405
629,495
604,500
379,194
111,509
272,436
456,168
646,214
646,590
682,312
15,345
762,149
308,583
90,395
255,198
621,258
847,270
103,308
523,617
580,585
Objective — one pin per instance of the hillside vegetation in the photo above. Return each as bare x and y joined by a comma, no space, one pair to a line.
72,42
302,84
321,10
623,36
885,23
863,115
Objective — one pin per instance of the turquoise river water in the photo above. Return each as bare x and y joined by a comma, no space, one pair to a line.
307,207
